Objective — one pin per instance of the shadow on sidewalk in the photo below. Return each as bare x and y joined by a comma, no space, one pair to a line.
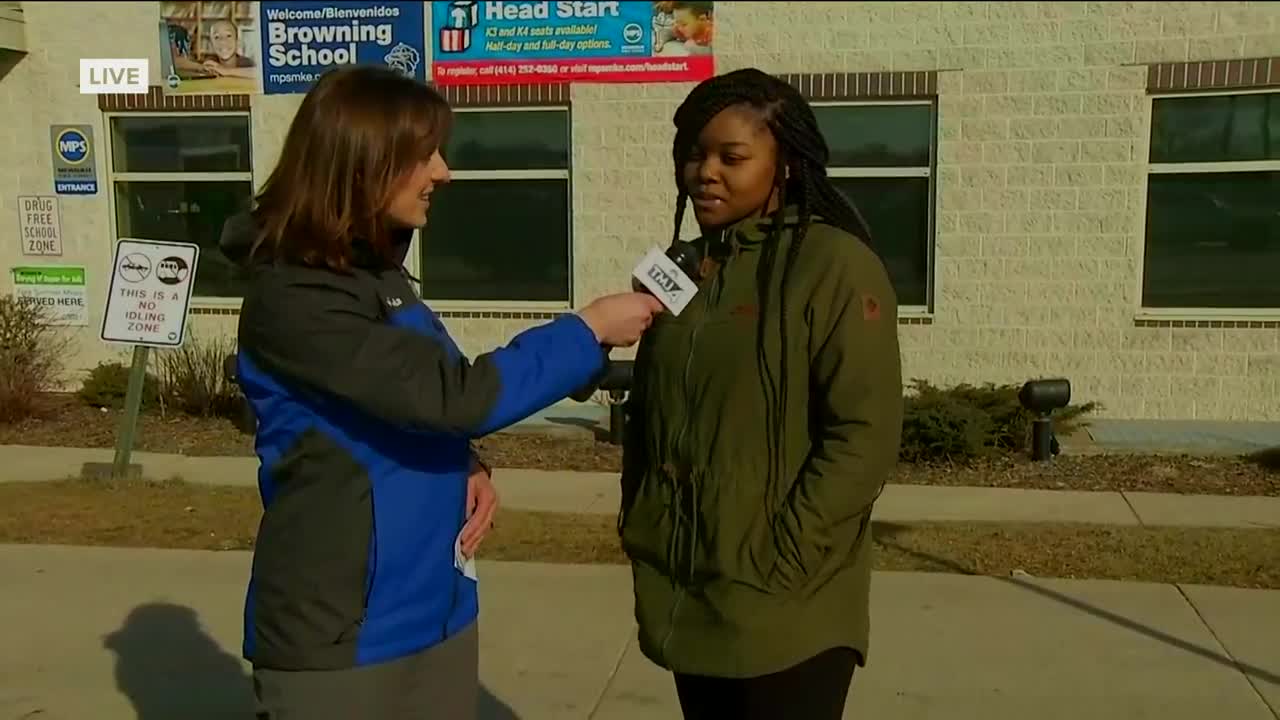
884,533
169,668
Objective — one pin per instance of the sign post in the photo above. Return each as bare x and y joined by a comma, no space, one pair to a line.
147,303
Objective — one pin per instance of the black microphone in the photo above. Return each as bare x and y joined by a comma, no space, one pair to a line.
687,257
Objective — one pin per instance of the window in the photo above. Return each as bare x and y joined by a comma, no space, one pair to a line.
1213,203
178,178
882,157
499,233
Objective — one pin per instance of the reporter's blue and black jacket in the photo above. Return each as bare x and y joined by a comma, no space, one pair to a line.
366,410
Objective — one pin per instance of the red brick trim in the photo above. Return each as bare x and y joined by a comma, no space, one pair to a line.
1214,75
857,86
1207,324
478,96
458,96
540,315
156,101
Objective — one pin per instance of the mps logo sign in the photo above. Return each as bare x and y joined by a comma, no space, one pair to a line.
74,169
72,146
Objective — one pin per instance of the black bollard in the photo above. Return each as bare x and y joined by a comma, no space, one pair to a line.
617,419
1041,398
1042,439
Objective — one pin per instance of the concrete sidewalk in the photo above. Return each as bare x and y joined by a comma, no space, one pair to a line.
582,492
114,634
599,492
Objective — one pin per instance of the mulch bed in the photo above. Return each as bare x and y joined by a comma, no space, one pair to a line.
65,421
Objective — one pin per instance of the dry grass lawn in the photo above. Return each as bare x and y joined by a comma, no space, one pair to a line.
179,515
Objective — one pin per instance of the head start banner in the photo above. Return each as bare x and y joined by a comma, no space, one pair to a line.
301,40
476,42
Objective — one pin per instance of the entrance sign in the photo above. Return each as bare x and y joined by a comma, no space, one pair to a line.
75,169
150,292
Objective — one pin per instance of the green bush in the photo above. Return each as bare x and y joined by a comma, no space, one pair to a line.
966,422
108,383
31,357
192,380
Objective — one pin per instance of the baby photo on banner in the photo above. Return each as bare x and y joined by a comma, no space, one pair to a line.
209,48
481,42
301,40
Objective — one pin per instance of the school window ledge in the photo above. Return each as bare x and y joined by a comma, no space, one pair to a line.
1213,204
178,178
499,232
882,155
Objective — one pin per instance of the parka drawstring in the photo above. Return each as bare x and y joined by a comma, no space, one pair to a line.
681,557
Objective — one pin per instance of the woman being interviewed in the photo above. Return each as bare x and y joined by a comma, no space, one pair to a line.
362,602
765,420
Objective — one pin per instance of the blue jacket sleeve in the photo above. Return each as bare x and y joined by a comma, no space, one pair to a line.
321,334
539,367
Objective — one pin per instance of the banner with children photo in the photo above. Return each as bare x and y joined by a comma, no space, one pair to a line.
479,42
210,48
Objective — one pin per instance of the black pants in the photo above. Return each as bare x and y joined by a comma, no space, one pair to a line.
439,683
813,690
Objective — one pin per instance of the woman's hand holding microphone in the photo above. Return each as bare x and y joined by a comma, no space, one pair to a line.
619,320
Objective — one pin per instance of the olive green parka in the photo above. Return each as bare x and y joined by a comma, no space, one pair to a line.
740,572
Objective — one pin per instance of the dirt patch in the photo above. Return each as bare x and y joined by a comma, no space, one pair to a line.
178,515
65,421
1182,474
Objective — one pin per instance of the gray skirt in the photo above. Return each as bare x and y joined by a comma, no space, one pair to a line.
440,682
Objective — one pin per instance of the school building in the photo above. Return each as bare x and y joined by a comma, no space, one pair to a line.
1079,189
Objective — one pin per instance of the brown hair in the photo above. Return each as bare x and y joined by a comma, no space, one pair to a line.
358,130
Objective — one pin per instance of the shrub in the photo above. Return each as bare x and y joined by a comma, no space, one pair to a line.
108,383
966,422
31,357
192,380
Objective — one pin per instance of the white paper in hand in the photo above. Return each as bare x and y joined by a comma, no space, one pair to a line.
465,565
665,280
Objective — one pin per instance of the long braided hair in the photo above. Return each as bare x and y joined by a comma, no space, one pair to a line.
802,182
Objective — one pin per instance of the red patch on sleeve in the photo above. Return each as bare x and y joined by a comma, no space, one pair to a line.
870,308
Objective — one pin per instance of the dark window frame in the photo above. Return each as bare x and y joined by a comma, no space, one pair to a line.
929,171
117,177
1147,306
462,175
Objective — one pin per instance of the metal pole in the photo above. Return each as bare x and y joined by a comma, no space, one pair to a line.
1041,439
617,423
132,406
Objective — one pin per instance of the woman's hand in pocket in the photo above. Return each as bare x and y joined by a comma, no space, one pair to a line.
482,505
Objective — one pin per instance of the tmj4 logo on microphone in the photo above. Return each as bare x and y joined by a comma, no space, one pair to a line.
665,281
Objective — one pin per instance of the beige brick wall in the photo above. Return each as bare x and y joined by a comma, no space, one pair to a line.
1040,183
39,90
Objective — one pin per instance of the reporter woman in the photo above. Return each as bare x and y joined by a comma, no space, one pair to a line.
358,604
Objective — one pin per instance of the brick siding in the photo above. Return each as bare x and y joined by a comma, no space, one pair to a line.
1043,114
